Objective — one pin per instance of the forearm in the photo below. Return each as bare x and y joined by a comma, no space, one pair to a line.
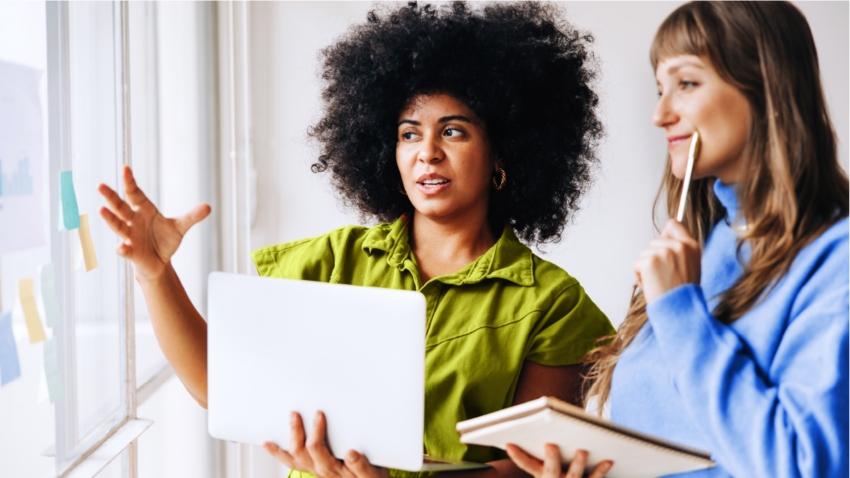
793,425
180,331
499,469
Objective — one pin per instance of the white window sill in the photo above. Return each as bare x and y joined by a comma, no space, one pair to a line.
110,449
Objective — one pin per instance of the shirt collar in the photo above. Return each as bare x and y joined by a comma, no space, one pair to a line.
726,194
508,259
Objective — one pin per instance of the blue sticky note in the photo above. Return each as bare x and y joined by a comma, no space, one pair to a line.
48,295
51,371
70,213
10,368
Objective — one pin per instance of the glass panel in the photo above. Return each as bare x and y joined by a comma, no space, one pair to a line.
94,150
145,144
177,444
24,406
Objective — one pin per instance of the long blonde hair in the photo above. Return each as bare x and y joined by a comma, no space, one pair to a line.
795,188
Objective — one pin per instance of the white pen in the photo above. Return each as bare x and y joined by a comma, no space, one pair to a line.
694,152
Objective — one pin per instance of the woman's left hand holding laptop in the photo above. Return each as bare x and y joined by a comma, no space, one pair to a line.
312,455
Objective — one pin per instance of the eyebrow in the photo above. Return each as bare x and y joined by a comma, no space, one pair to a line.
444,119
676,68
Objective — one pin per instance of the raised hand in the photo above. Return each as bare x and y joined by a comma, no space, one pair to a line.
149,239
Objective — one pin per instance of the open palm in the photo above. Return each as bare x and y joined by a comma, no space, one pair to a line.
149,238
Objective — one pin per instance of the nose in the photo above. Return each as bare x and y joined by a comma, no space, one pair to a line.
664,115
430,151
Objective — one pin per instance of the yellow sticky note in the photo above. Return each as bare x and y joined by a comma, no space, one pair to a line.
85,241
30,311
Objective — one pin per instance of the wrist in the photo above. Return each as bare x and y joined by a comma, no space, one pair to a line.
153,279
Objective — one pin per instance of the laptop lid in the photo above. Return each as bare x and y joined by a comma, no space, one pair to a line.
355,353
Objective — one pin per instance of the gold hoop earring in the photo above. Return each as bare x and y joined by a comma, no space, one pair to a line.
501,184
401,189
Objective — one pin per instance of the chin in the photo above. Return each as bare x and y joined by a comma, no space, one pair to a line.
678,166
433,209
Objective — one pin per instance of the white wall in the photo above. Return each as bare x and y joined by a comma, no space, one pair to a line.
615,222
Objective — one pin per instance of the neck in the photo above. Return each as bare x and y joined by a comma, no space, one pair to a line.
446,245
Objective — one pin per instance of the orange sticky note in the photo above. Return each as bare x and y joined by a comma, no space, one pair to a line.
85,241
27,298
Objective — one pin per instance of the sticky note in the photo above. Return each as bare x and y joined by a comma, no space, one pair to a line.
51,371
69,213
10,368
85,241
47,278
27,298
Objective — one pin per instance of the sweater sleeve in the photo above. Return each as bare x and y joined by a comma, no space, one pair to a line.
789,421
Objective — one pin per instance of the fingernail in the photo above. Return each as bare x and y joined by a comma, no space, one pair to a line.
292,418
318,416
353,456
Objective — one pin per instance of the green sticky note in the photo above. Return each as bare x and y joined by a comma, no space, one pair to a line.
69,212
48,295
51,371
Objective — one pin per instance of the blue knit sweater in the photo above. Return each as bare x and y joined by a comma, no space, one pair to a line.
766,395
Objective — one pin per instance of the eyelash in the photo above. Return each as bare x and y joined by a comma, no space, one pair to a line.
403,135
683,84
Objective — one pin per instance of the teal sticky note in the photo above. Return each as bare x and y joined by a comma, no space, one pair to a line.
10,368
51,371
70,211
47,278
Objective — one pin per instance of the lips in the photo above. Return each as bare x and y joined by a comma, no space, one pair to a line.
432,183
674,141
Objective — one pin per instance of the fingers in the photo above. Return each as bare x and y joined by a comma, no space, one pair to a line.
360,467
282,455
296,443
324,464
552,462
117,225
134,194
524,461
196,215
124,251
121,208
576,469
675,230
601,469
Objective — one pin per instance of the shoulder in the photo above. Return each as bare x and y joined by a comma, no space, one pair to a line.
829,253
344,236
820,275
276,260
550,276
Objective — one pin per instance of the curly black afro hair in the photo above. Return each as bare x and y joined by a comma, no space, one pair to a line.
521,67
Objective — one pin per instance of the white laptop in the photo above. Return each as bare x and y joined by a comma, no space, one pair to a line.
355,353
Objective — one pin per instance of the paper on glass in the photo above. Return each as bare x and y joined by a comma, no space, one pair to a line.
10,367
27,298
21,152
86,242
51,371
47,278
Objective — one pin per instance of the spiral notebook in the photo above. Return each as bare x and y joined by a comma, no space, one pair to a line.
547,420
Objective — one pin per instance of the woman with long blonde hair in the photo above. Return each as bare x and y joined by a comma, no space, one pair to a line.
736,340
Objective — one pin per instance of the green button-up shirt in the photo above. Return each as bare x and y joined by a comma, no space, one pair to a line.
482,321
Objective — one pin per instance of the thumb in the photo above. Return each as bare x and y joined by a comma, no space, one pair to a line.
196,215
360,466
676,230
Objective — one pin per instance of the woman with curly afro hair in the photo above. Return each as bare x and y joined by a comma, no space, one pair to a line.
461,131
